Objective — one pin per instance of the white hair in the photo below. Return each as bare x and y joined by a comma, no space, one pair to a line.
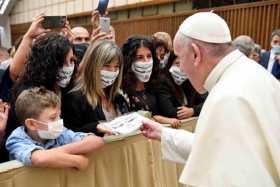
244,43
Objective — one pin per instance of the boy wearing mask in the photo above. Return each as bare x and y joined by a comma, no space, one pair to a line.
43,140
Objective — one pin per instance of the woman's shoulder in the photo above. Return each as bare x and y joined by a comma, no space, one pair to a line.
164,82
74,93
76,96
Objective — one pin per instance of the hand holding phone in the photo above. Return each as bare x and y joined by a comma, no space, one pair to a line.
36,28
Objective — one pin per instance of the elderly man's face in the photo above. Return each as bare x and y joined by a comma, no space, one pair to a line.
185,56
190,63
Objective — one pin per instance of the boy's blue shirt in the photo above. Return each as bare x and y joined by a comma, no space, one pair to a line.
20,145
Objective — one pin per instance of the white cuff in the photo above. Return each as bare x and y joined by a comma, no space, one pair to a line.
176,144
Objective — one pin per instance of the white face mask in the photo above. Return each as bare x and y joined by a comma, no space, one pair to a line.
55,128
164,61
178,76
65,75
108,77
143,70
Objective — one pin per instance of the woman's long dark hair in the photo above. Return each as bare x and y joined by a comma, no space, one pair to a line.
47,56
129,50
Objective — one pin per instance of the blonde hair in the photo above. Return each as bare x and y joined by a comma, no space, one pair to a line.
31,102
98,54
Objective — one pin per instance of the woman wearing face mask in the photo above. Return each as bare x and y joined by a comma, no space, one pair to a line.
95,96
140,73
141,76
176,96
51,64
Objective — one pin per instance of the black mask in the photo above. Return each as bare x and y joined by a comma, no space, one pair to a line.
80,50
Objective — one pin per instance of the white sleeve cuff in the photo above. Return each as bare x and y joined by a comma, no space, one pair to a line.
176,144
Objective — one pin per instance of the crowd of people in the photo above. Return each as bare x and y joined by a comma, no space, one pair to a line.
93,79
56,87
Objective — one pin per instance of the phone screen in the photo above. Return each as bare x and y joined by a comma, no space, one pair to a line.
104,23
51,22
102,6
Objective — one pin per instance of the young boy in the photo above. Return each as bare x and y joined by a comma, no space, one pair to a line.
43,140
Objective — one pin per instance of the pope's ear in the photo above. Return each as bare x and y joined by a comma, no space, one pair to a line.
30,124
197,54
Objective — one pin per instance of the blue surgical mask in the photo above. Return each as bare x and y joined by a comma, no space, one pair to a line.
275,49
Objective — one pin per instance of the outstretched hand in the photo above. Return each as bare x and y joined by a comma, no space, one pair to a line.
151,129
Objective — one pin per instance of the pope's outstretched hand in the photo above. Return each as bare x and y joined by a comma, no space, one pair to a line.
151,129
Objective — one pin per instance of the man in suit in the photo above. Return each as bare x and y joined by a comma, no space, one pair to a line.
271,59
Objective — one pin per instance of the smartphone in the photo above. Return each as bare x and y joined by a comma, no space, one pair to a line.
51,22
104,23
102,6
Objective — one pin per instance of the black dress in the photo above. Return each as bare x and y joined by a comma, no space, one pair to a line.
78,115
168,100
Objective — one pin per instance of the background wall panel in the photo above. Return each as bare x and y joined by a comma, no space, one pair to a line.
257,20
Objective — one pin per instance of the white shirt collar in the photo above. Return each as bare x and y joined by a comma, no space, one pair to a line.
220,68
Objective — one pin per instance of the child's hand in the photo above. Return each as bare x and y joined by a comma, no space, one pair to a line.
104,130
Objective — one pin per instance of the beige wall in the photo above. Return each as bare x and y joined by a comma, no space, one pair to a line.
25,10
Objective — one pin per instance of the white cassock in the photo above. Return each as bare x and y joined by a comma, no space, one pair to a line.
237,138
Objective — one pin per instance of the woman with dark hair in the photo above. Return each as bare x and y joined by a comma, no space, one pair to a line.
16,66
176,96
140,73
51,64
141,70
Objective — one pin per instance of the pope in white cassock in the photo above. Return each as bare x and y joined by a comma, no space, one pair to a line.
237,138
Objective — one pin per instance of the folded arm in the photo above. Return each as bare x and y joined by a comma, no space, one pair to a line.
87,145
57,159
